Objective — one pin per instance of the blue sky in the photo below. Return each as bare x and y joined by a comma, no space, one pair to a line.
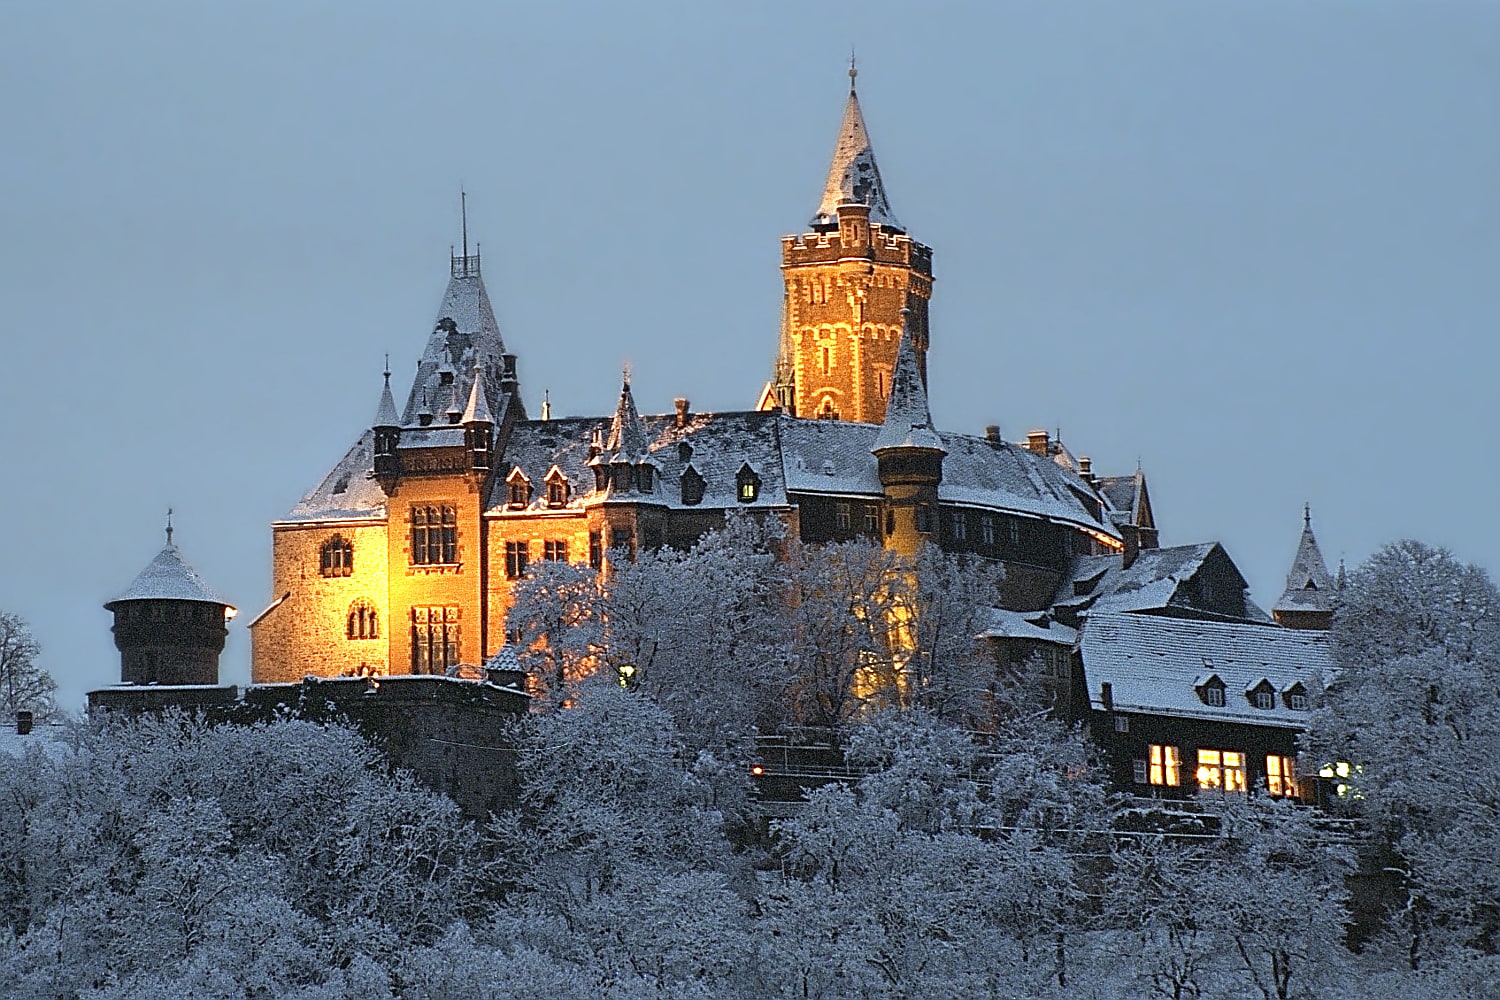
1255,246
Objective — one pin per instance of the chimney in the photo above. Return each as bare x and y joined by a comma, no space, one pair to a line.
23,722
1085,466
992,433
1132,536
1037,442
596,443
682,411
1107,695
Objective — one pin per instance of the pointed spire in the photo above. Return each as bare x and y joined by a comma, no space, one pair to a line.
385,413
169,527
908,421
627,434
1309,586
853,175
478,410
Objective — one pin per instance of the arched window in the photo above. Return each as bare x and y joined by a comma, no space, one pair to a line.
363,621
336,557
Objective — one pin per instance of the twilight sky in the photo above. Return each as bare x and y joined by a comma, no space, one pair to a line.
1255,245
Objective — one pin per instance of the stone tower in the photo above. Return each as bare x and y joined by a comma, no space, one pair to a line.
909,454
846,283
169,624
1307,602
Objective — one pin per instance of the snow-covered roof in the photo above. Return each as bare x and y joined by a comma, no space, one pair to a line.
478,410
718,445
853,175
627,435
1154,664
349,492
1153,582
908,421
1037,625
1309,587
168,577
48,738
385,413
465,335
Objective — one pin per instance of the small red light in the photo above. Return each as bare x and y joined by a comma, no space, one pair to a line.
757,770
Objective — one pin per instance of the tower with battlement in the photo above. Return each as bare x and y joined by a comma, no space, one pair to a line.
846,282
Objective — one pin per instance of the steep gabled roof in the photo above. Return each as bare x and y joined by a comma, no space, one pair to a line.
853,175
1309,586
908,422
168,577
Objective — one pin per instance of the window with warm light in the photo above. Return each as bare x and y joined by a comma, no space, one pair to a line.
434,536
1281,776
1165,766
1223,770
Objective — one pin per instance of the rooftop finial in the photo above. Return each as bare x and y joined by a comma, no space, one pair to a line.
1307,515
387,369
463,211
853,69
169,525
625,376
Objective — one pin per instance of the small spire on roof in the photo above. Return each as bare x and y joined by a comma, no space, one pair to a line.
478,410
1307,516
169,525
463,211
1309,586
627,434
853,175
385,413
908,421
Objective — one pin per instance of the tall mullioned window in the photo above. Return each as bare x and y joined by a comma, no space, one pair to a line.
596,549
434,639
1221,769
555,551
434,536
516,560
336,557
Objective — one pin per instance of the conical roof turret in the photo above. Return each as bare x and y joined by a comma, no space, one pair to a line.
627,433
385,414
478,410
853,175
168,577
1309,585
908,421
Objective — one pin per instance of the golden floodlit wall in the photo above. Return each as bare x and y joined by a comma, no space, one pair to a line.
308,631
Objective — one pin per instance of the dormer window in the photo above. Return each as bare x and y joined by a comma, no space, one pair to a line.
692,487
1210,689
1295,696
557,488
601,478
517,489
747,484
643,477
1262,695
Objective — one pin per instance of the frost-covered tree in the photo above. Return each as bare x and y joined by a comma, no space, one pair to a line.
1414,706
556,625
24,685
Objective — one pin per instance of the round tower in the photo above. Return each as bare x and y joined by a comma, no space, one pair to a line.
169,625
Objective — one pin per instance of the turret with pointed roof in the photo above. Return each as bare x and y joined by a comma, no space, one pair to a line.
908,420
1307,602
169,624
909,456
846,284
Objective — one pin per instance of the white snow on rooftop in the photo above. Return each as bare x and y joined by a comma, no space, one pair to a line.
1152,664
168,577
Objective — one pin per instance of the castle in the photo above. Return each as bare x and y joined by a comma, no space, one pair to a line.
401,563
402,560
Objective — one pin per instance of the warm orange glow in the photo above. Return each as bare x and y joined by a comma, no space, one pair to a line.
1166,766
1281,776
1221,769
757,770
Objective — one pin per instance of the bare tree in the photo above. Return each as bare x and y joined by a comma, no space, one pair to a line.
24,686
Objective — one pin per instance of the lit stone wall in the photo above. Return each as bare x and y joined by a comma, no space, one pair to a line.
535,528
307,633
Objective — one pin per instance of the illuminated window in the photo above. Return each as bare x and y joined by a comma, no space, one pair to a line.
1339,773
828,412
596,549
841,518
434,639
747,484
1166,766
515,560
1221,769
363,621
872,518
555,551
987,529
336,557
1281,776
434,536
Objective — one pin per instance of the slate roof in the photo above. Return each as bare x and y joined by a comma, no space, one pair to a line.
478,410
720,444
465,335
1309,587
1153,663
1037,625
1104,584
349,492
385,413
908,421
853,175
168,577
